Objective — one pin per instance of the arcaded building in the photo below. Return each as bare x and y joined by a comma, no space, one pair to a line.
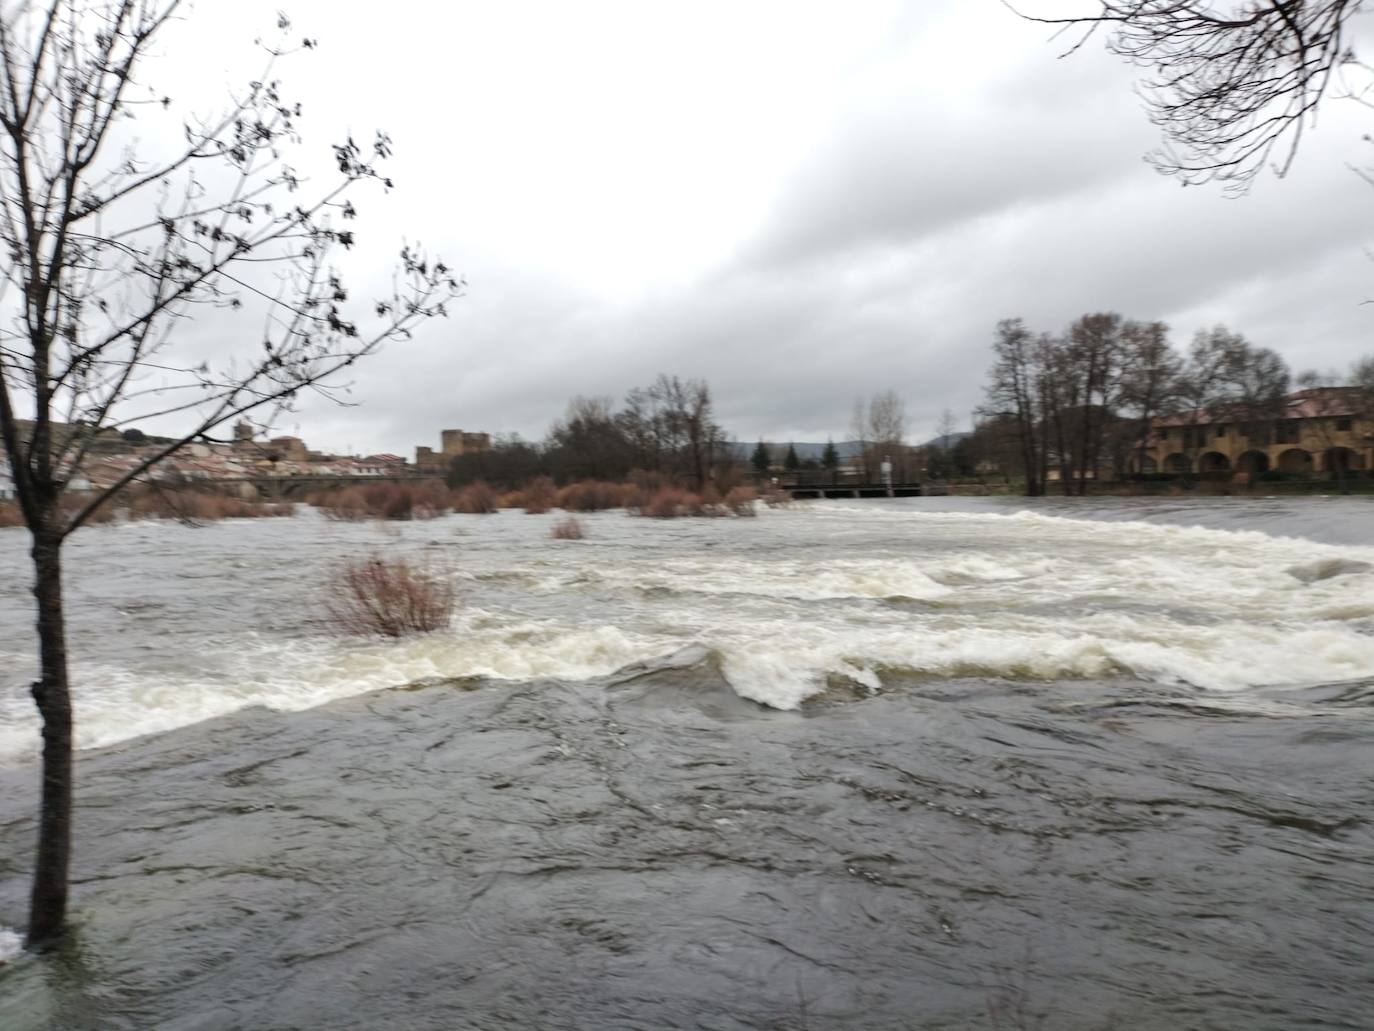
1321,431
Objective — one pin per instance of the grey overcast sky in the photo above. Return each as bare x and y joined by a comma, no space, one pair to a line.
798,202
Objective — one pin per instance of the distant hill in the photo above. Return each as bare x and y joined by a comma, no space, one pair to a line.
946,441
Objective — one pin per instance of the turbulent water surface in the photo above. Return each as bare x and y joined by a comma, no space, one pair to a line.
929,763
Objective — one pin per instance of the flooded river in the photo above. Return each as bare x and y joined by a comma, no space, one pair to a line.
925,763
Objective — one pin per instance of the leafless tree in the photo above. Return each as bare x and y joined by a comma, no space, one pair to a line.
879,425
858,429
110,253
1149,385
671,425
1232,85
1014,394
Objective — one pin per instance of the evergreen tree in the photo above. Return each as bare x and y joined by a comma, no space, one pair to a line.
830,457
791,463
760,459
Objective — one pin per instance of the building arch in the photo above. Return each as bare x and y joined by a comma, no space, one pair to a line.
1341,460
1213,462
1252,462
1295,462
1177,463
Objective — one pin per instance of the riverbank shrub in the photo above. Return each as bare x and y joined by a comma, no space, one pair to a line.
374,596
10,514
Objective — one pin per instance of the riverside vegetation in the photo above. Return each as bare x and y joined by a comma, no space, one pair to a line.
648,496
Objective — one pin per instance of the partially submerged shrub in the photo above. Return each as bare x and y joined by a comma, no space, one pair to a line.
540,495
668,503
192,506
775,498
475,499
594,496
707,504
347,504
388,598
569,529
674,502
384,500
740,500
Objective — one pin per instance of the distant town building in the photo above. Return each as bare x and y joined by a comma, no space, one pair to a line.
1323,430
452,444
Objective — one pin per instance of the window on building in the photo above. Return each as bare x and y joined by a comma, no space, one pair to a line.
1343,424
1221,431
1286,431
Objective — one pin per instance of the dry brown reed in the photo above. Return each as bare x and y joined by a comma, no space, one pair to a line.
374,596
10,515
569,529
475,499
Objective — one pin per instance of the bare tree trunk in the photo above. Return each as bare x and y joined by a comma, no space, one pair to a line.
48,904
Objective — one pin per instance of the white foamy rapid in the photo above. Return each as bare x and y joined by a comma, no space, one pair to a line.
172,625
11,945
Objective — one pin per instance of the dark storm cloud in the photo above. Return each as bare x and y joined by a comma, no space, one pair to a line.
939,189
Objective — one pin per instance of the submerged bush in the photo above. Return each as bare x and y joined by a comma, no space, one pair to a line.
475,499
674,502
388,598
594,496
569,529
665,503
384,500
540,496
192,506
740,500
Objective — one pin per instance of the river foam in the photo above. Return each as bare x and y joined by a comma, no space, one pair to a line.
789,603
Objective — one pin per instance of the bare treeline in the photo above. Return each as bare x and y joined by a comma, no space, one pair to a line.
1083,401
667,428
